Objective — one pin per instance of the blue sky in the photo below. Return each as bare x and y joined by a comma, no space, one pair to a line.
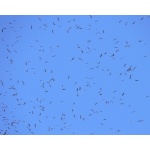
74,75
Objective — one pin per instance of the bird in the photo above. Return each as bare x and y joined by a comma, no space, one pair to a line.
74,75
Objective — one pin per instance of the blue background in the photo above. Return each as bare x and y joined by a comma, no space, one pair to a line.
74,75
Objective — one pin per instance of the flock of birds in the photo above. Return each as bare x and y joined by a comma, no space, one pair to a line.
74,75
